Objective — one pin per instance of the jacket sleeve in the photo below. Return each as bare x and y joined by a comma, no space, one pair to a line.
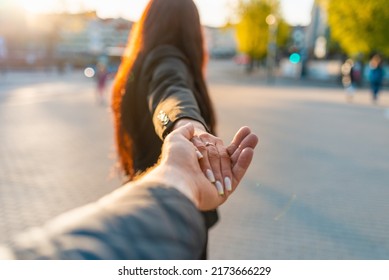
170,90
134,222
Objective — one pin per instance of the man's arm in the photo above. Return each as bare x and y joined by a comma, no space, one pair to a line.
138,221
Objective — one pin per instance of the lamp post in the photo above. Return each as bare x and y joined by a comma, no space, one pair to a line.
271,21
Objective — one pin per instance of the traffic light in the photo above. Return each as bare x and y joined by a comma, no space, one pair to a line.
295,58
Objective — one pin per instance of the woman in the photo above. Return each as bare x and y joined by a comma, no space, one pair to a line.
160,86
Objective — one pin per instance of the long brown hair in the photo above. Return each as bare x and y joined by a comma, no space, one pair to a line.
163,22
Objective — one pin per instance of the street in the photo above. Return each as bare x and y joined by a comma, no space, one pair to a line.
317,188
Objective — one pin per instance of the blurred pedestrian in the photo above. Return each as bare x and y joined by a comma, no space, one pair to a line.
376,76
160,86
348,79
357,73
3,56
101,80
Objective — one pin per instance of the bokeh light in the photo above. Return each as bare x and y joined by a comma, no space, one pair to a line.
89,72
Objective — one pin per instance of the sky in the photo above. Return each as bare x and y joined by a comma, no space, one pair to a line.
212,12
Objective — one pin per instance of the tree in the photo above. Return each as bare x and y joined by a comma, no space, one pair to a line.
360,27
252,29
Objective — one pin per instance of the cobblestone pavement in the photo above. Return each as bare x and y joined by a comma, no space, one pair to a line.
55,147
317,188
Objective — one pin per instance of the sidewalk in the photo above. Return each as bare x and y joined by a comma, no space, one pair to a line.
56,148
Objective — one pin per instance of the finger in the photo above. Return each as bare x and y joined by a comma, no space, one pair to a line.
204,161
250,141
198,154
225,165
214,160
238,138
186,130
242,164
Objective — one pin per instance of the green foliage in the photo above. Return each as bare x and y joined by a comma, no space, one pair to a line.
283,33
253,31
359,26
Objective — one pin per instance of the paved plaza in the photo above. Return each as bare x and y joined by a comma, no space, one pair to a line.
318,186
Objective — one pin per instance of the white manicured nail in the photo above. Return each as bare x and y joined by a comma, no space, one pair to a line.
219,188
199,155
227,184
210,175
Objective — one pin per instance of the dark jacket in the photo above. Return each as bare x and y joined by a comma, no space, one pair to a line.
376,75
147,222
158,95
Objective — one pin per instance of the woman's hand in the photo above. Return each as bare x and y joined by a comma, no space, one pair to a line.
214,159
179,166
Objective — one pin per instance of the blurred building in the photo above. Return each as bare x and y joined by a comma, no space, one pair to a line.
84,37
221,41
317,33
88,34
61,40
13,32
56,40
316,61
